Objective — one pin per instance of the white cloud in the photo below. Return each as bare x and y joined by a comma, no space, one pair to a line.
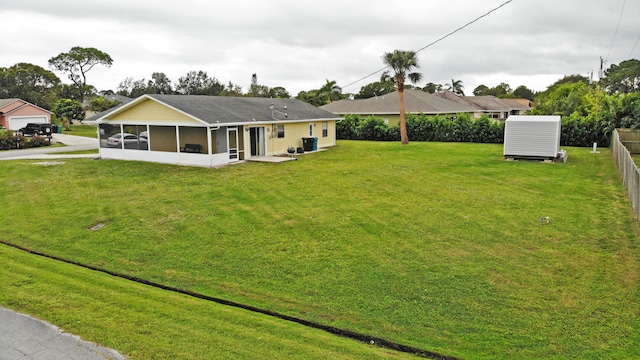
299,45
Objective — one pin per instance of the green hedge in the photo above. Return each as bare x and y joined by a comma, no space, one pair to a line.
576,130
9,140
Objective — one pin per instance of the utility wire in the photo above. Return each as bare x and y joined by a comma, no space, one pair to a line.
617,28
634,47
438,40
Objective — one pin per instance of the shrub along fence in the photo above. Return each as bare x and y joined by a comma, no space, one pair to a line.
576,131
625,142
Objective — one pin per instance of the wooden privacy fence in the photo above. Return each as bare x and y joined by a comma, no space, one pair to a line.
625,143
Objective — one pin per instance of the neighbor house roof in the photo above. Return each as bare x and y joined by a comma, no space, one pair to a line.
232,110
5,102
9,105
415,101
488,102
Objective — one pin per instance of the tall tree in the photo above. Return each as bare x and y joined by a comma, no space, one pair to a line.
455,87
159,84
312,97
231,90
279,92
403,63
373,89
623,78
524,93
30,83
481,90
77,62
199,83
563,99
99,104
256,90
501,89
330,91
432,88
132,88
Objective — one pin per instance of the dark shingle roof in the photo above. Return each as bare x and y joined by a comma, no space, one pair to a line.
228,109
487,102
415,101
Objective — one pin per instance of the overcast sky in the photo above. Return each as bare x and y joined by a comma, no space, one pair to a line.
301,44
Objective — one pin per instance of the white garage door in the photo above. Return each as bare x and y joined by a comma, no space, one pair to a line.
18,122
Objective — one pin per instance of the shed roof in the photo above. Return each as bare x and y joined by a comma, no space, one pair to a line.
534,118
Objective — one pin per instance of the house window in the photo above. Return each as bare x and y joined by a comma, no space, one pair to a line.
280,131
311,129
325,129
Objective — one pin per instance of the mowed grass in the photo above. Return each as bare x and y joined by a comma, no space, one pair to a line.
81,130
147,323
434,245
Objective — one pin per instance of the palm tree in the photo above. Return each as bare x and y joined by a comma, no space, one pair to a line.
456,87
331,91
402,62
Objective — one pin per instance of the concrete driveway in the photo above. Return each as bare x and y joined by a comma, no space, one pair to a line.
74,143
26,338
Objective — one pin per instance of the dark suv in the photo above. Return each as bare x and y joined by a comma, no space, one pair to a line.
35,129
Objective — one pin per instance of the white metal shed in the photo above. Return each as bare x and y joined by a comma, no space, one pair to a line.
534,137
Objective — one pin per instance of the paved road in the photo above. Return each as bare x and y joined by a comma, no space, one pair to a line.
74,143
26,338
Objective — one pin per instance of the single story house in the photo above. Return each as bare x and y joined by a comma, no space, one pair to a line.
17,113
388,106
493,107
420,102
210,130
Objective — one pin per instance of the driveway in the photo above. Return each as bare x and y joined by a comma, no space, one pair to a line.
26,338
74,143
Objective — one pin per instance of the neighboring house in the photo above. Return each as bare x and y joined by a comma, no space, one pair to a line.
493,107
16,114
210,130
387,106
420,102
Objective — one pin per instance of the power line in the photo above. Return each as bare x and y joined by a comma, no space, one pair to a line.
617,28
438,40
634,47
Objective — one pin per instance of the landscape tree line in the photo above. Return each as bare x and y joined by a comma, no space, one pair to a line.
590,110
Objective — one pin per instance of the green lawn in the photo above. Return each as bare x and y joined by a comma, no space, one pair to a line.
148,323
434,245
81,130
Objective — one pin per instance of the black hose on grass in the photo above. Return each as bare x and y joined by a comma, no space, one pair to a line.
330,329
